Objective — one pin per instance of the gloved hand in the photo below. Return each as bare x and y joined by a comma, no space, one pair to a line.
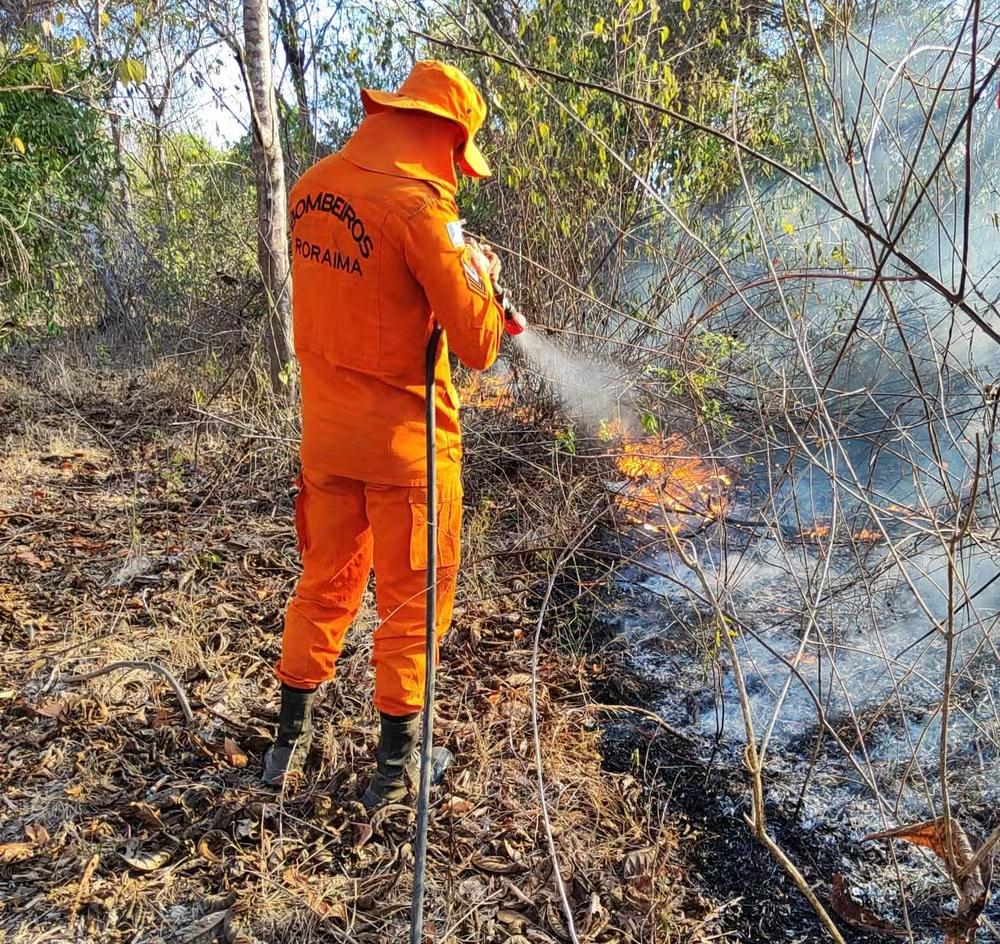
486,261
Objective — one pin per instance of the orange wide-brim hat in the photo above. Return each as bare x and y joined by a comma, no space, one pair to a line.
440,89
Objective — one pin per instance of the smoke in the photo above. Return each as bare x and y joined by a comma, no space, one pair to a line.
586,389
866,407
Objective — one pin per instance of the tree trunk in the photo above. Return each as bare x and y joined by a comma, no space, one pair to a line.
114,118
161,173
288,32
121,175
269,168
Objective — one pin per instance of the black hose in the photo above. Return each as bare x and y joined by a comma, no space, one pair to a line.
427,746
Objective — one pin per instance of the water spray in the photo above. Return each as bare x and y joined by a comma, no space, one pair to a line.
582,384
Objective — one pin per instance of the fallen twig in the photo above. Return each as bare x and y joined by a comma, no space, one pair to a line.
651,715
796,876
83,888
147,666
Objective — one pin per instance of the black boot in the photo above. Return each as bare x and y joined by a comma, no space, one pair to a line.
397,761
288,752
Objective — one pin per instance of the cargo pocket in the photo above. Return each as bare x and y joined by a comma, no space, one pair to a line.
302,541
449,528
452,437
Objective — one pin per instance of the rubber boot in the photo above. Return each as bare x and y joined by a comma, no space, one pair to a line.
397,761
397,772
290,748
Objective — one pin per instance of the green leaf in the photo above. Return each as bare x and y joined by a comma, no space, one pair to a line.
77,45
566,440
543,129
686,6
131,71
54,73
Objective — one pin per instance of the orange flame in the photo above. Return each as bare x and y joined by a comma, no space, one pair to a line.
820,531
663,475
667,485
489,391
816,533
639,460
869,535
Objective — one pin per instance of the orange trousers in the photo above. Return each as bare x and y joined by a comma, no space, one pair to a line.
344,526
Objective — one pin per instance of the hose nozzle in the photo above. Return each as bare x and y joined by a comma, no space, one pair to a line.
513,321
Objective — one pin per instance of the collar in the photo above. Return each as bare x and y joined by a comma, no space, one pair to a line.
406,144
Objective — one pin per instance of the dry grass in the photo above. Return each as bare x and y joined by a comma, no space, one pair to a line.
120,823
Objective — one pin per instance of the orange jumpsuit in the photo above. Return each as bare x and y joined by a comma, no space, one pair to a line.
377,257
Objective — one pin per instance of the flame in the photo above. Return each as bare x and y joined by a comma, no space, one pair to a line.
820,531
868,534
667,485
612,430
638,460
489,391
663,475
816,533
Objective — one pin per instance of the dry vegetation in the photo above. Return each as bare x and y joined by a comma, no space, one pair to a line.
758,243
121,822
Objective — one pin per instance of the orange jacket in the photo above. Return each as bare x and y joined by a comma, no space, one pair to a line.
377,256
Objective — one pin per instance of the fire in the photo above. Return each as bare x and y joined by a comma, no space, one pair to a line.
663,475
489,391
819,531
868,534
639,460
611,430
816,533
667,486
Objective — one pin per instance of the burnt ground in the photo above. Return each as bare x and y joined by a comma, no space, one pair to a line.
729,862
705,784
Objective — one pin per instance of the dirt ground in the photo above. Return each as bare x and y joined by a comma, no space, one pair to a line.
132,529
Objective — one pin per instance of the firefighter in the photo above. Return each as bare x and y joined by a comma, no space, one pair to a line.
379,256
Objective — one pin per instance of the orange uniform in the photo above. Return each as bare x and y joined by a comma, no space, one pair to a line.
378,256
